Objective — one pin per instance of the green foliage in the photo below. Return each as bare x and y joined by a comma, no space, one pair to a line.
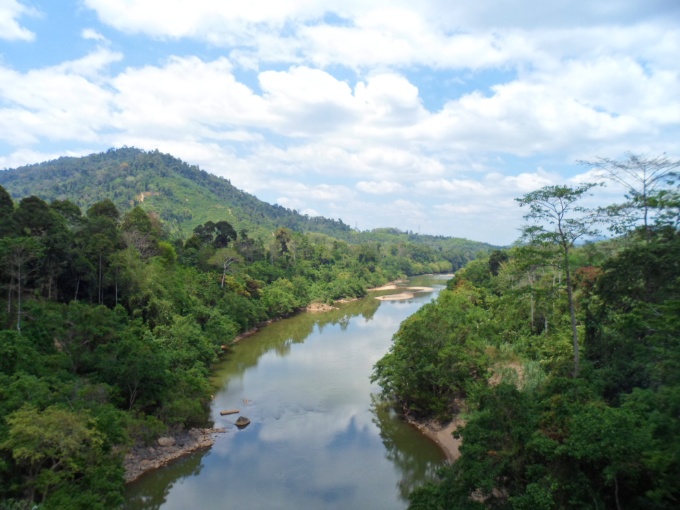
17,353
609,438
438,354
54,448
560,222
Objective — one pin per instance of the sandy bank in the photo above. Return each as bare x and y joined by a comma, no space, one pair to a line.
442,434
389,286
396,297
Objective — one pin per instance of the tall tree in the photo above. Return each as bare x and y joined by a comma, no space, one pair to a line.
7,226
33,217
224,234
224,258
558,220
644,179
99,238
16,254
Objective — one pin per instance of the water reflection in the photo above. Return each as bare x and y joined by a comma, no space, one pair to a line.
317,439
156,485
280,335
400,450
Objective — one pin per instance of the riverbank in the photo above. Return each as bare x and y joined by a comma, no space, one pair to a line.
442,434
140,459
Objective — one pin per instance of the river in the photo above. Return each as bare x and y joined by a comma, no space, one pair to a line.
319,436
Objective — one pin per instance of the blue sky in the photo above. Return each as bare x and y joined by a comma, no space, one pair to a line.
430,116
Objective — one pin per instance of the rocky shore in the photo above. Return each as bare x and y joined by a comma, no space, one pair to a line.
142,459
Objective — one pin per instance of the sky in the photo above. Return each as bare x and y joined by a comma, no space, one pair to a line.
430,116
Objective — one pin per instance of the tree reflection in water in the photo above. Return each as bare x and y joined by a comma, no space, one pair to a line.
151,496
400,448
295,330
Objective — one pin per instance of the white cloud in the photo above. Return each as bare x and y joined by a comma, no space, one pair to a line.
10,29
72,107
186,95
307,102
380,187
382,113
91,34
299,194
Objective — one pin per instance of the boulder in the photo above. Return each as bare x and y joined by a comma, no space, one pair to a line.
166,441
242,422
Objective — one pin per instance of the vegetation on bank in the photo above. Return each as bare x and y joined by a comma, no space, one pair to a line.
563,359
110,326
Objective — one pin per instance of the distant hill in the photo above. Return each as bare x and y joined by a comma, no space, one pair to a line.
184,196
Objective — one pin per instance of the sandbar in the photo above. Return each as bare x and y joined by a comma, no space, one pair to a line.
442,434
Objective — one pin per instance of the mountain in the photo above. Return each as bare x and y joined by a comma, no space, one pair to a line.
184,196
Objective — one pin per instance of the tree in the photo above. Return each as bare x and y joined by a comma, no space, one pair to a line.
105,208
496,259
224,234
644,179
245,245
205,232
33,217
6,204
224,258
69,211
139,230
552,208
15,256
99,249
282,239
99,239
54,447
7,225
137,365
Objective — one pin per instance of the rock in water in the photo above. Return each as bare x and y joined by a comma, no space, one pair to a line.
242,422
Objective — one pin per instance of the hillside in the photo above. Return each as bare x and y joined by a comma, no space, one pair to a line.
184,196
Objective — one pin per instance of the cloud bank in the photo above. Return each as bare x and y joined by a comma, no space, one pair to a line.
428,117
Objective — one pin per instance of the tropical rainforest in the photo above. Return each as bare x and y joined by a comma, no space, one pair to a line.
123,276
560,358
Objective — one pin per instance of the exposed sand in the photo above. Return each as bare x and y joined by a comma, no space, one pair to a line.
408,293
389,286
442,434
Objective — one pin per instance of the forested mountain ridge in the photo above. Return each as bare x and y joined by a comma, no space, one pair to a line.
184,196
